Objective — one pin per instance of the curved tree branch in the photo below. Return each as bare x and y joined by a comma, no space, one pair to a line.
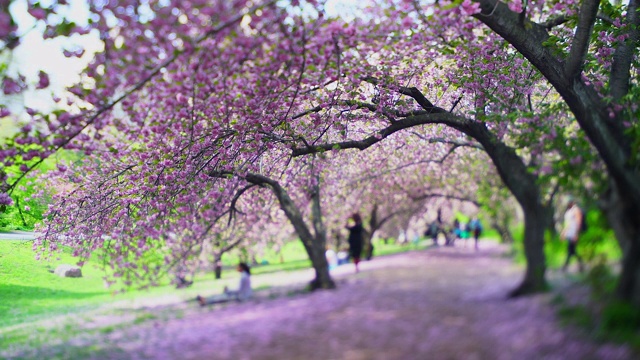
580,44
555,21
456,143
445,196
445,117
412,92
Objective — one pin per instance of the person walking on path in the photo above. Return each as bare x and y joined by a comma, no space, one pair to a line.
573,218
356,232
476,229
244,291
454,234
432,231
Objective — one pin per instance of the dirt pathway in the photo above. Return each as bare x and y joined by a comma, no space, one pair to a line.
445,303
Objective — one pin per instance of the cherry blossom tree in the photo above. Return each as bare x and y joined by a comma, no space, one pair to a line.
193,104
588,52
211,109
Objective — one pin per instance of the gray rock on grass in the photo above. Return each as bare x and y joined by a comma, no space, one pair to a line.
68,271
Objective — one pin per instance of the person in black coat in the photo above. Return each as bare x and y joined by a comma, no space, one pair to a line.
356,233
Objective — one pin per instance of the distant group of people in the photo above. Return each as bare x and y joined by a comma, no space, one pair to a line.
458,230
574,224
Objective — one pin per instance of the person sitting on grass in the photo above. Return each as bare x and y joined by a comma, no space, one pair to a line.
244,291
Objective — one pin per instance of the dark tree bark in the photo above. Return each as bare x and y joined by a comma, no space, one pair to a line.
313,244
318,244
616,207
217,269
368,233
592,113
524,188
217,257
505,234
375,223
24,221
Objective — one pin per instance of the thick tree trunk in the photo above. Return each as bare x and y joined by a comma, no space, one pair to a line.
367,235
318,245
374,225
217,257
315,248
524,188
534,279
314,245
629,284
627,230
318,259
367,249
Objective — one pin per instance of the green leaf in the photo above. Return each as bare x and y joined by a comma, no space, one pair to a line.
65,28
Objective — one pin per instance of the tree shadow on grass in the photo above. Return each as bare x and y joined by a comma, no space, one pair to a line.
278,267
22,303
22,292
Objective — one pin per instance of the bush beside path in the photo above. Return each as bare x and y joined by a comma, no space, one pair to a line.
440,303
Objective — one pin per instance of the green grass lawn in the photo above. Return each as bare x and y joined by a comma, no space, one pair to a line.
28,289
30,292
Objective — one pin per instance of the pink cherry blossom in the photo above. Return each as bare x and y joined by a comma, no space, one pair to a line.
43,80
469,7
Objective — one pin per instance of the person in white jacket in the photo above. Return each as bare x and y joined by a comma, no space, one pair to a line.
573,218
243,293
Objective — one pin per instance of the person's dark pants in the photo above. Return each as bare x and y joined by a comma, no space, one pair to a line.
476,236
571,251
